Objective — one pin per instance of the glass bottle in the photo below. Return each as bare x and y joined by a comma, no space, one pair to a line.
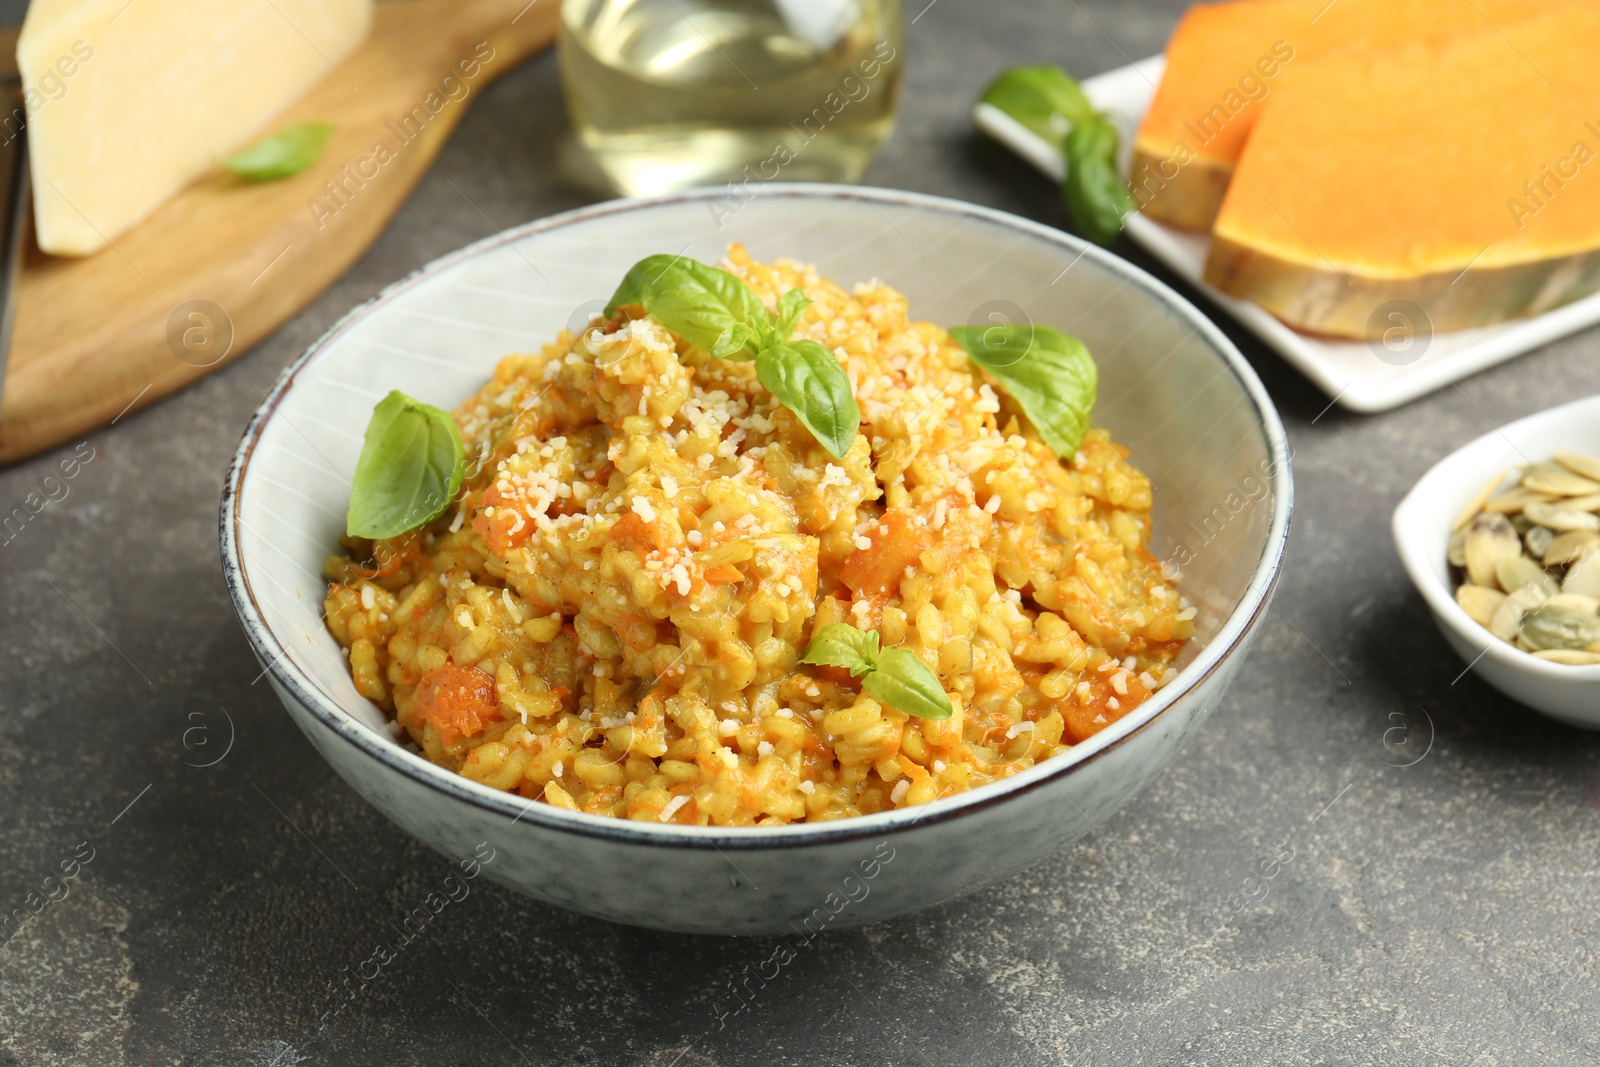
668,94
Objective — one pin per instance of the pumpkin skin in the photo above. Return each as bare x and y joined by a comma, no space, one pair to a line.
1451,174
1318,301
1225,62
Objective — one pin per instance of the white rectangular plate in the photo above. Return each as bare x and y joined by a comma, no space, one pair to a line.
1349,371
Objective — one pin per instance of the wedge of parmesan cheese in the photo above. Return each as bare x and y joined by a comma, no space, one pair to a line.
129,100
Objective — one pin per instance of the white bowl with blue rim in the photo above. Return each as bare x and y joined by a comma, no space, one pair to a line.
1173,389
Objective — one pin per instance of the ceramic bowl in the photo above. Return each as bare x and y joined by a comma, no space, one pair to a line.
1422,534
1172,388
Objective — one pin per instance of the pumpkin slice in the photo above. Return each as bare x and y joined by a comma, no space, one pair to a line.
1461,176
1225,60
1221,61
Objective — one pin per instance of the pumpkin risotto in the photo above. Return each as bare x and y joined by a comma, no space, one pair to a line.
611,615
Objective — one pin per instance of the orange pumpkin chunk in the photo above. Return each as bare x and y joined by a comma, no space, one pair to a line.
458,701
896,544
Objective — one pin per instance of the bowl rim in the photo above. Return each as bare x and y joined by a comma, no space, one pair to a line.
1410,527
291,681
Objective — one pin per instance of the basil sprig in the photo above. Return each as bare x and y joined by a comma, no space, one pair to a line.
896,677
287,152
1052,376
411,467
843,646
1051,104
715,311
1096,197
709,308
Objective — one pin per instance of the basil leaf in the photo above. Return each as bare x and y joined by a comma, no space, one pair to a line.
897,678
790,307
1048,102
1044,99
841,645
905,683
1052,376
1096,197
717,312
808,380
736,343
635,283
411,467
289,151
710,308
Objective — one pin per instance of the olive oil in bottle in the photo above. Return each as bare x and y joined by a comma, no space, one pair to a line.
668,94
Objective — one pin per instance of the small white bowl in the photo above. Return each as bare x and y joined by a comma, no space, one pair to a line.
1422,534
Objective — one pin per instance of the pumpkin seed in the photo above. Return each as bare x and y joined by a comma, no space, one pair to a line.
1490,539
1583,577
1558,517
1514,572
1479,603
1563,621
1531,558
1570,546
1572,657
1579,463
1506,622
1537,540
1478,500
1582,503
1557,479
1516,500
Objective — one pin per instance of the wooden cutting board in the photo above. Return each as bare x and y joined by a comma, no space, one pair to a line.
99,336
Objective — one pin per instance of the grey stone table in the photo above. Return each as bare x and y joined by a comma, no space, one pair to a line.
1442,913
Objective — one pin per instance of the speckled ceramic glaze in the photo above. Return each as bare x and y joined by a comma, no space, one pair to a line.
1422,535
1172,388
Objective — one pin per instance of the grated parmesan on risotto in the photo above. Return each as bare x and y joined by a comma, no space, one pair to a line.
611,618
